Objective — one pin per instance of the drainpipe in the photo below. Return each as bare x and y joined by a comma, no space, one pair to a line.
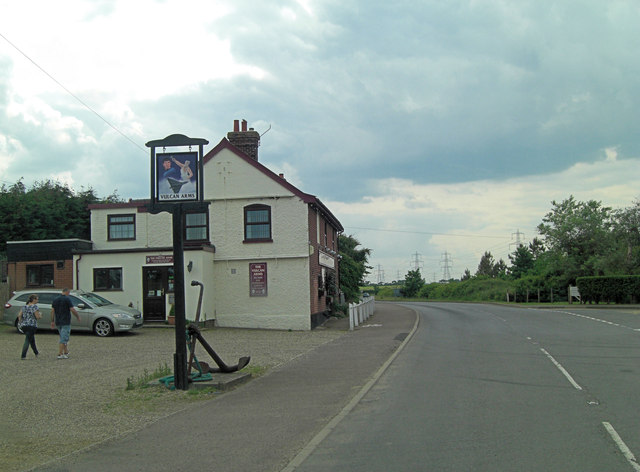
78,272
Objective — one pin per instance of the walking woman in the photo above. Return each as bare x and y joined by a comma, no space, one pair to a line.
28,321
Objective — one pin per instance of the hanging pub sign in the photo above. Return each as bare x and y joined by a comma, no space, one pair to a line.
177,176
176,188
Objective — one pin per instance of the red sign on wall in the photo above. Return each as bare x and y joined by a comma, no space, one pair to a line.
258,279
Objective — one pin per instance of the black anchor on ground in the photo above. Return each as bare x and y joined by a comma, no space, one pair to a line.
194,335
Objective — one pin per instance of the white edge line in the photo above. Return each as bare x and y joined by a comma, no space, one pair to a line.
622,446
562,369
318,438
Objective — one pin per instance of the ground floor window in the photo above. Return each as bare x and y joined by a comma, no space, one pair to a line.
107,279
40,275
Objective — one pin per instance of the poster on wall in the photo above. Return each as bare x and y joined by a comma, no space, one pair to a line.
258,279
177,176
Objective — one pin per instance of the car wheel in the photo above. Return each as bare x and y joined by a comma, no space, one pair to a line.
16,325
103,327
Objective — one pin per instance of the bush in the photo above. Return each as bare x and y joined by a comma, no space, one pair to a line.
616,289
387,291
475,289
340,310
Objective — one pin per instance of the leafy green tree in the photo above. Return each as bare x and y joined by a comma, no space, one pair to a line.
500,269
522,261
47,210
485,267
536,248
489,268
626,231
413,282
529,287
578,234
352,266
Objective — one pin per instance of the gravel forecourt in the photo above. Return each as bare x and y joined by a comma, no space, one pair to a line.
52,407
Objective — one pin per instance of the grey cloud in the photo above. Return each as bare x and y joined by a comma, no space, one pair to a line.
430,91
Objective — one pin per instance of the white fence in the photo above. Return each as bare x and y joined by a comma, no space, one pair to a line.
360,312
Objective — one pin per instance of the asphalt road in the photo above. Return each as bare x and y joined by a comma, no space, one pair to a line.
494,388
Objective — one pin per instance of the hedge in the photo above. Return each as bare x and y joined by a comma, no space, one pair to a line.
616,288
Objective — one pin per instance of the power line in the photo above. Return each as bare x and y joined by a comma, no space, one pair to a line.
428,232
72,94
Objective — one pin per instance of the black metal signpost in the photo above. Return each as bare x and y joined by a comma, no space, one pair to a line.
177,187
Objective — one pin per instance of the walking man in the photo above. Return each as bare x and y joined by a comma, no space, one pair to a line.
61,309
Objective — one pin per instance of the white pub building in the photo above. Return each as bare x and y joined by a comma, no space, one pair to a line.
266,252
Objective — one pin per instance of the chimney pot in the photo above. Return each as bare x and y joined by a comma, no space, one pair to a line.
245,140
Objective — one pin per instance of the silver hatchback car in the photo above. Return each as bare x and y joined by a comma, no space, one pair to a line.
97,314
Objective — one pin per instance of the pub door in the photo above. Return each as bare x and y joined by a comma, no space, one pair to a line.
157,282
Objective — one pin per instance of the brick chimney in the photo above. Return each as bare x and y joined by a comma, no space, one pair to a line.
245,140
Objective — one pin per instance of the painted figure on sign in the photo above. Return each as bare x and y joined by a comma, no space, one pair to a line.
185,171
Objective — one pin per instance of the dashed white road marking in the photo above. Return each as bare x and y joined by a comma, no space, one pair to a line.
626,452
631,459
562,369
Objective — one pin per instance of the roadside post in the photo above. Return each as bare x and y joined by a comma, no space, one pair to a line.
177,187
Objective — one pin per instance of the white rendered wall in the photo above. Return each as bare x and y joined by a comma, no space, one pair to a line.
132,265
151,230
286,305
232,184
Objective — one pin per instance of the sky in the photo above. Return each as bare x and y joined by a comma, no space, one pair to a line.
434,130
